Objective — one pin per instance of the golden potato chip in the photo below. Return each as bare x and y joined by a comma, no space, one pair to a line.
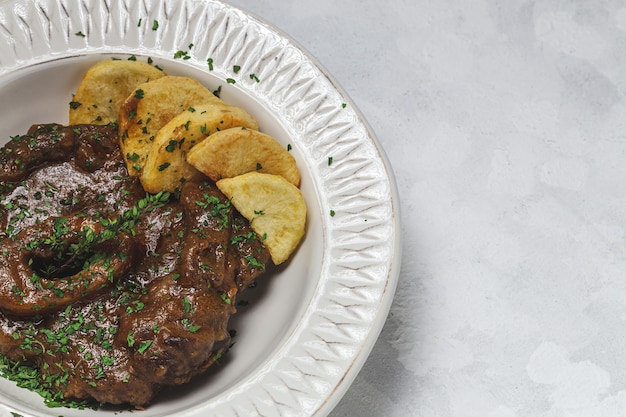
149,107
104,87
235,151
166,167
274,206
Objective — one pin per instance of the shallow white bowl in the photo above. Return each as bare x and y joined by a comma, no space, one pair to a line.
308,327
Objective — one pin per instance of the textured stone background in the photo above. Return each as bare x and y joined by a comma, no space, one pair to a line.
505,124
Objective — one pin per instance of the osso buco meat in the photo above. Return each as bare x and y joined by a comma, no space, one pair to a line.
108,293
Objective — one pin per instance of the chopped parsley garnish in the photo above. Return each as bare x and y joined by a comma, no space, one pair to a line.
144,346
226,299
33,379
186,305
181,54
171,147
130,339
252,261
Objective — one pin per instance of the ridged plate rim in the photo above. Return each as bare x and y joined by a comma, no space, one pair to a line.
312,369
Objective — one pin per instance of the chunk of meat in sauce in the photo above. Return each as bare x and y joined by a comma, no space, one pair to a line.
160,320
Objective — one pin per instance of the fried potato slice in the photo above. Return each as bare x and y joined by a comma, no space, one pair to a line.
235,151
274,206
104,87
166,167
149,107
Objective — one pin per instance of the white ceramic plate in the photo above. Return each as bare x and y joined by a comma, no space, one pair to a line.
308,328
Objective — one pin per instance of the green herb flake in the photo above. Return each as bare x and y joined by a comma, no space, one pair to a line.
144,346
155,24
254,262
108,360
182,54
171,147
225,298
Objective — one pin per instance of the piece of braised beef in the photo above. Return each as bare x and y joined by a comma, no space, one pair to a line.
113,294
